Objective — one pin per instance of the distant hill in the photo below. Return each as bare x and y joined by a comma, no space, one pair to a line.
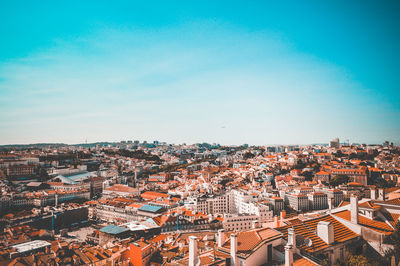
52,145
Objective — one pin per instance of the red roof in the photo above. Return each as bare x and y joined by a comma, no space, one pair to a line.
121,188
151,195
378,226
308,229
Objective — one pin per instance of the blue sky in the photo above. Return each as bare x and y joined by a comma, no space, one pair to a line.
230,72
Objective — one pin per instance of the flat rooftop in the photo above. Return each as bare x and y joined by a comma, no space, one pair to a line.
113,229
32,245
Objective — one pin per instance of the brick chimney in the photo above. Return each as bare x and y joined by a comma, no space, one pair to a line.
277,223
325,232
193,252
354,209
233,250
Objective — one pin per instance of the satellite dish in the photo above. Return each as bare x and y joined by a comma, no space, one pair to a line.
299,240
308,242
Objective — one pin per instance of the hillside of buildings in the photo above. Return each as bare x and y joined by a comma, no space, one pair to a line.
154,203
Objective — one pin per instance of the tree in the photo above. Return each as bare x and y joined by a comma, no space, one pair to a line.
394,239
357,260
308,175
248,155
338,180
43,175
382,183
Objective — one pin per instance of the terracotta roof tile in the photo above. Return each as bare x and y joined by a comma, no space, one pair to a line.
378,226
247,241
308,229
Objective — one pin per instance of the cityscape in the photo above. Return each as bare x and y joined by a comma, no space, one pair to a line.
191,133
154,203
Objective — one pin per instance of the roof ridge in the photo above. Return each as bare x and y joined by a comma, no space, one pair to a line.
258,234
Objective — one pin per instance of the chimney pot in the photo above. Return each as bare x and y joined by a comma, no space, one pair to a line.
325,232
254,224
277,223
221,237
193,253
288,255
354,209
292,237
233,249
381,195
373,193
330,203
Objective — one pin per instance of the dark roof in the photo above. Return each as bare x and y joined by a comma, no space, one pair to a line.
149,208
113,229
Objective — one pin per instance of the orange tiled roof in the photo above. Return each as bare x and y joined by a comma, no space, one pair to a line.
247,241
368,205
343,203
322,173
136,205
353,184
301,229
308,228
302,261
121,188
390,202
153,195
341,232
380,227
158,238
393,218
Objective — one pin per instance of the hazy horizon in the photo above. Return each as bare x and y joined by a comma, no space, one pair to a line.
222,144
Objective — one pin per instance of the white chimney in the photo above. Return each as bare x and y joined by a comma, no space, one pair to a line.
292,237
373,193
288,255
254,224
354,209
221,237
233,249
193,252
325,232
381,195
330,203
